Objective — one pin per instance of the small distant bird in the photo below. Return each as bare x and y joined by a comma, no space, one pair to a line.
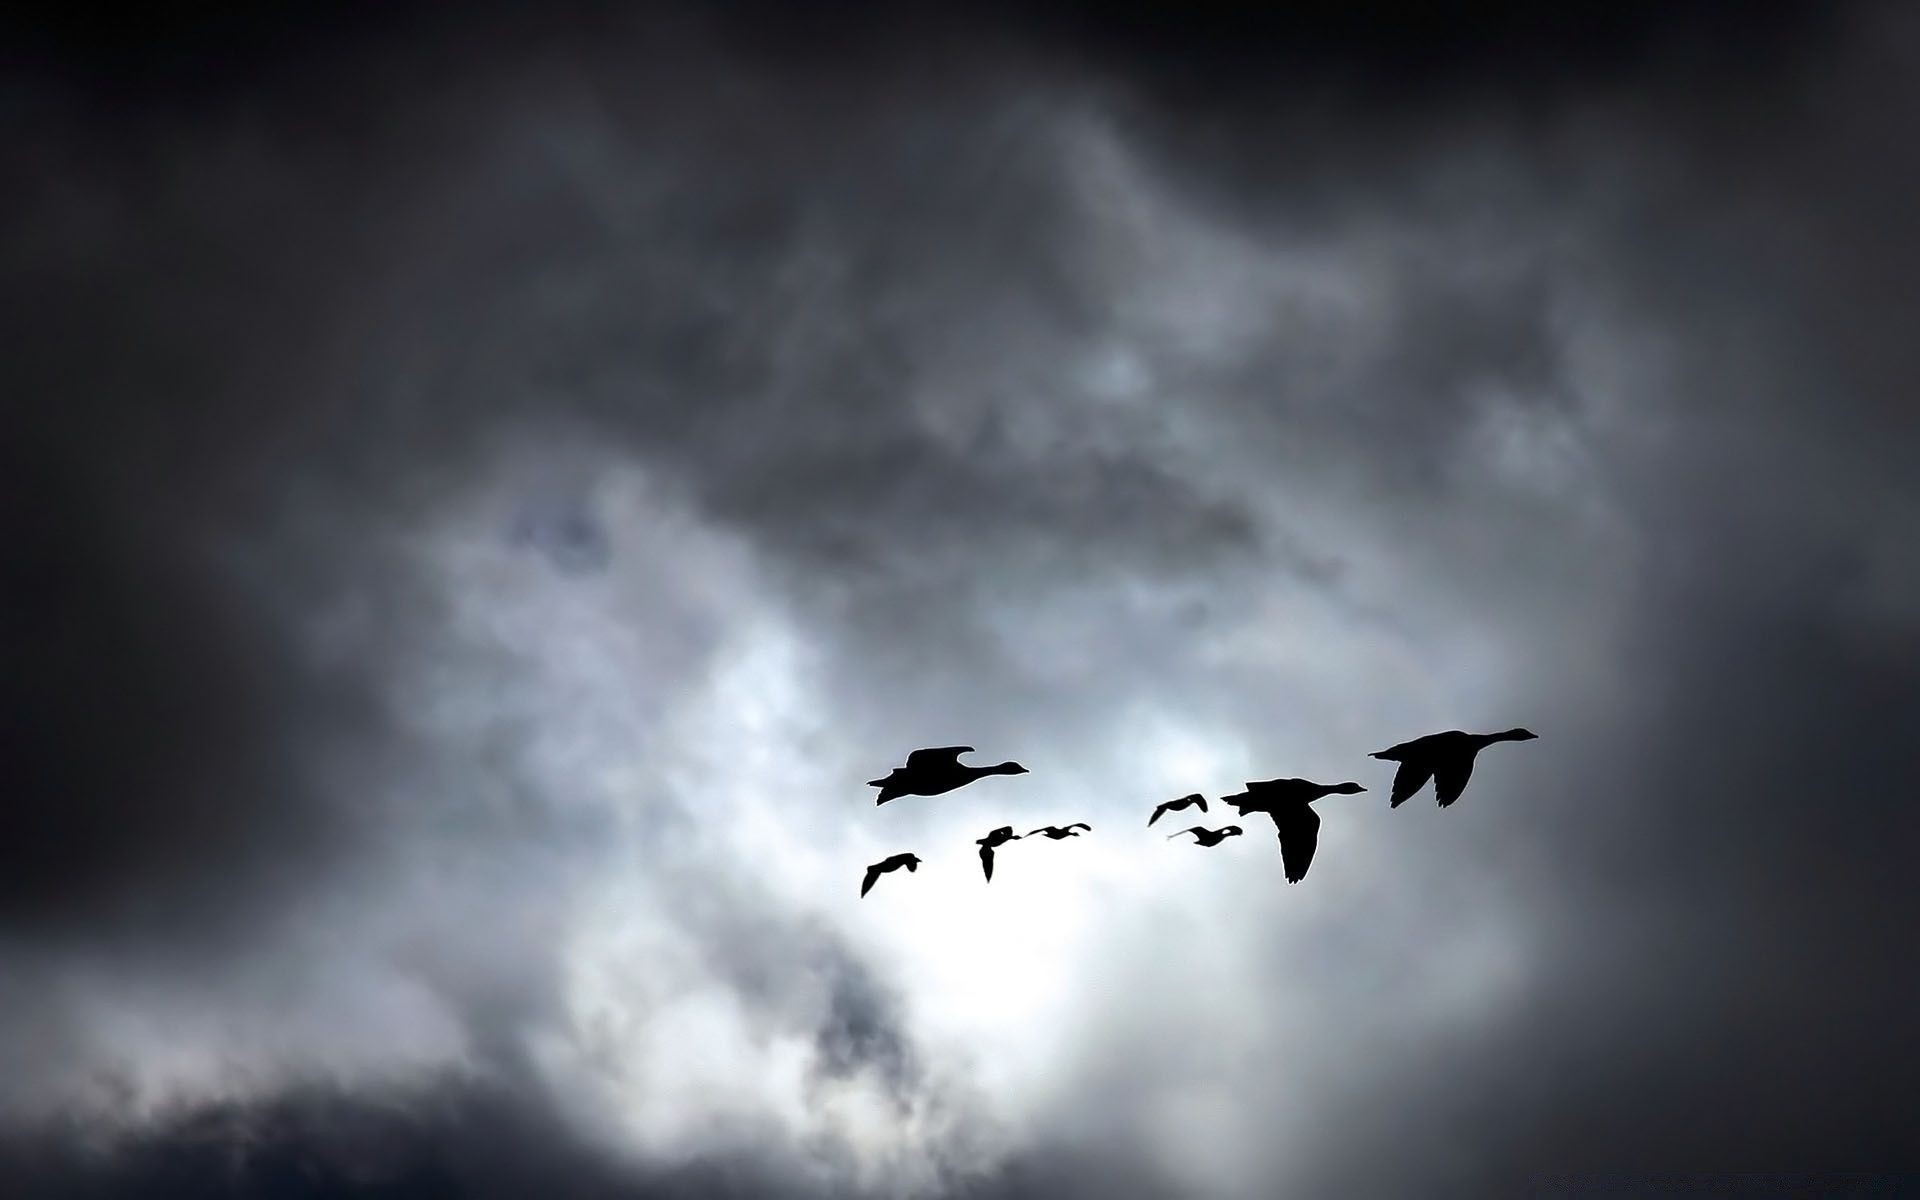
893,863
998,837
1187,801
934,771
1446,758
1210,837
1056,832
1290,803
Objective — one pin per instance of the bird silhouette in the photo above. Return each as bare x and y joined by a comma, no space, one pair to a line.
1056,832
1176,805
1290,803
1210,837
1446,758
892,863
933,771
998,837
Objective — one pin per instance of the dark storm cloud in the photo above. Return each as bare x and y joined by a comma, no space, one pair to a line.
161,712
457,1138
1724,847
281,290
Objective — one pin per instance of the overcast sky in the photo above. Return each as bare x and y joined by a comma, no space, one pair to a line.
483,493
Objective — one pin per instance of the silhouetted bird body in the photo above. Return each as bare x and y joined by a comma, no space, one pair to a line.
893,863
1210,837
989,843
1187,801
934,771
1056,832
1446,758
1290,803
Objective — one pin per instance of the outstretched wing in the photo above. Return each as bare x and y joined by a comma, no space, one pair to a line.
1299,828
1081,825
873,873
1410,778
936,756
1245,803
986,861
1450,779
1158,812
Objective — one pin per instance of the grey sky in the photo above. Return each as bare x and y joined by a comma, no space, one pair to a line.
483,499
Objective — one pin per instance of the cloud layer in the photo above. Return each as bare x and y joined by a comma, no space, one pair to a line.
482,499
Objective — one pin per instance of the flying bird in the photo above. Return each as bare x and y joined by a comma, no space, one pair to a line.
1290,803
934,771
1446,758
1210,837
892,863
998,837
1056,832
1176,805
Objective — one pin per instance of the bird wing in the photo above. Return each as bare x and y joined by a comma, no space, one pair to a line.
936,756
986,861
1201,801
1399,751
1159,812
1081,825
873,873
1450,779
1299,837
1410,778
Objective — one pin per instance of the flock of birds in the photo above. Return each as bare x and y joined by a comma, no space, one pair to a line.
1445,758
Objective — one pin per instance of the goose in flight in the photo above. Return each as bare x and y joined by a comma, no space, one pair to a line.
1056,832
1187,801
933,771
892,863
1210,837
1446,758
1290,803
998,837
